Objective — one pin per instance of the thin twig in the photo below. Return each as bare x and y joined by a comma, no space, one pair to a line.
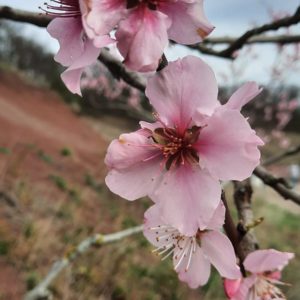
238,43
278,184
281,156
263,39
41,290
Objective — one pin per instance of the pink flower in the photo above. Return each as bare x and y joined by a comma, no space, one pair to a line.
193,255
265,267
76,49
144,27
179,160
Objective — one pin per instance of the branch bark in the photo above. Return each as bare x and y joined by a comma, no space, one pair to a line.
282,156
238,43
278,184
263,39
41,290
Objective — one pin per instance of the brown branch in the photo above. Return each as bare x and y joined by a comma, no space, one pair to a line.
281,156
119,71
278,184
264,39
231,230
242,199
116,68
24,16
238,43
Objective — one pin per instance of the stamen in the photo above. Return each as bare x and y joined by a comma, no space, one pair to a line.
66,8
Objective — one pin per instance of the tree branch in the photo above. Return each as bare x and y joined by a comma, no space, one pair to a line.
41,290
242,199
264,39
238,43
278,184
24,16
281,156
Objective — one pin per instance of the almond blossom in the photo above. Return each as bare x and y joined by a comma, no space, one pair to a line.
77,50
193,255
265,267
180,159
145,26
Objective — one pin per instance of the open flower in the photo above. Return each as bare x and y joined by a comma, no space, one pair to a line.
192,255
179,160
77,50
265,267
144,26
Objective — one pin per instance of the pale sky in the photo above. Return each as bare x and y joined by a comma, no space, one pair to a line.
231,18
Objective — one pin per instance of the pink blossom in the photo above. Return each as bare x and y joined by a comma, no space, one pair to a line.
265,267
145,26
77,50
179,160
193,255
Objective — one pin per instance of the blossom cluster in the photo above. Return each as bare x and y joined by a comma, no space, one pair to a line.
195,142
140,28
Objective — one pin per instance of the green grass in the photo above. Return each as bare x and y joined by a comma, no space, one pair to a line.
4,150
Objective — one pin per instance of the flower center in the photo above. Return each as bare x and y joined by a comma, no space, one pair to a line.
62,8
265,290
152,4
177,148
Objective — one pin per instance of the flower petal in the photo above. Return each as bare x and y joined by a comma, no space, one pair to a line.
71,77
105,15
181,89
134,165
218,218
136,181
267,260
231,286
187,198
152,218
228,146
198,272
219,250
130,149
142,38
189,23
68,32
244,289
243,95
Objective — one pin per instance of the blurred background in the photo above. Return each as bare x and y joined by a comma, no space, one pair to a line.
52,146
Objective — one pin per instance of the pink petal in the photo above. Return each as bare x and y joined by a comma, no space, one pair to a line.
243,292
228,146
136,181
68,32
105,15
175,95
142,38
218,218
231,286
267,260
198,272
187,198
152,218
219,250
189,23
243,95
130,149
134,165
71,77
